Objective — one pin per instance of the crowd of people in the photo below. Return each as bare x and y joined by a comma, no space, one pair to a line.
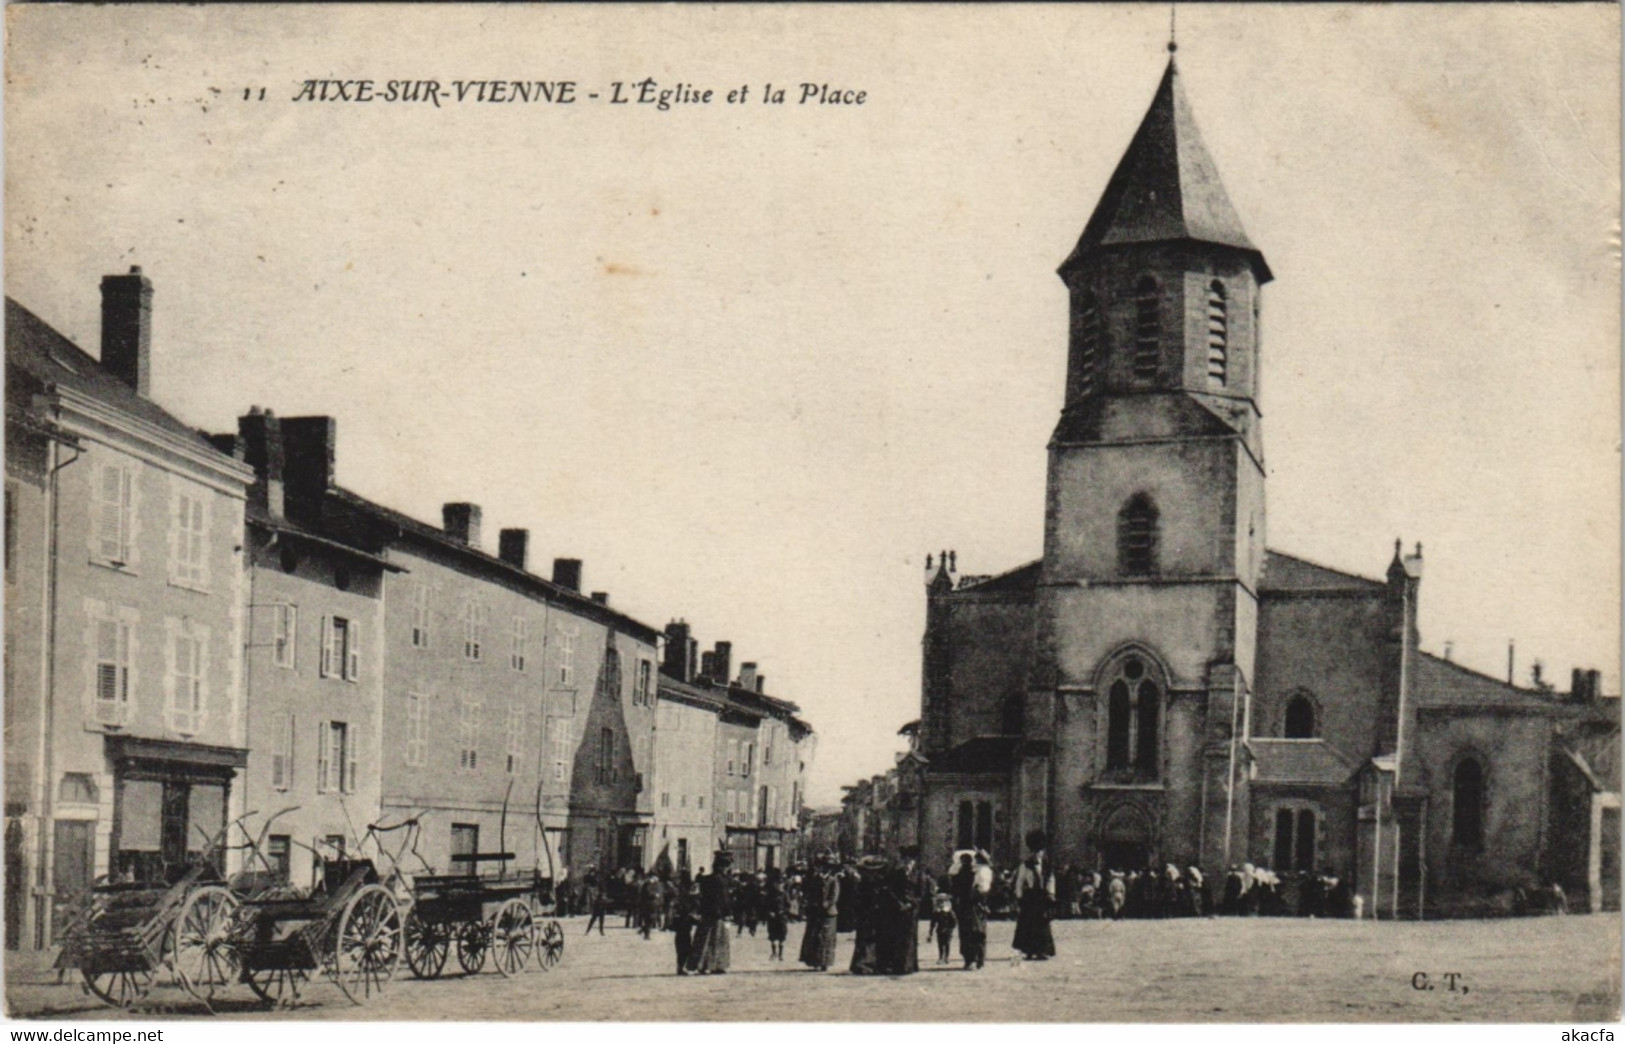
881,903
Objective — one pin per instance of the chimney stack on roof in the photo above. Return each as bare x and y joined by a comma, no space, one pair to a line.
127,329
567,573
680,651
722,663
601,597
260,434
462,523
308,450
513,547
747,675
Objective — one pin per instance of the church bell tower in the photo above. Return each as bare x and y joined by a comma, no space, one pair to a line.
1154,524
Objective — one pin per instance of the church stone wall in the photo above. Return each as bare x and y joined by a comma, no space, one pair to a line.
1332,647
1177,623
989,644
1513,750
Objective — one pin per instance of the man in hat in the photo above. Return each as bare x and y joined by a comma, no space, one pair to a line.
1035,901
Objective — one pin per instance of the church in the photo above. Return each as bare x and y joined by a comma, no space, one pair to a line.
1162,687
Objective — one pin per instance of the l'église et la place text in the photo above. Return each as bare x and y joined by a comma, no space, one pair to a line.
645,92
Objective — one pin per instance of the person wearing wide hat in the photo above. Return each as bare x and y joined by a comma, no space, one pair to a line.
1035,902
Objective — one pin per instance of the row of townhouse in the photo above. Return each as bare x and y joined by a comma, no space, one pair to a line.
880,815
206,629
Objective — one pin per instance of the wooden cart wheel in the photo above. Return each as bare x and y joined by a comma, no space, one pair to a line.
513,936
473,941
368,943
277,987
550,948
200,951
121,989
428,943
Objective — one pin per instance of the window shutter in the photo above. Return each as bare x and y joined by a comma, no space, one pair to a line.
350,744
352,646
321,758
109,521
327,647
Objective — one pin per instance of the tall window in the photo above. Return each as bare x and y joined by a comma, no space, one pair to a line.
113,640
606,755
285,632
189,539
1133,720
1147,329
558,748
516,735
1300,718
750,759
183,680
474,614
1467,805
641,692
567,655
420,615
1295,831
612,672
341,648
1218,334
279,853
335,758
282,752
733,757
468,735
518,637
975,824
11,532
1137,536
417,731
1087,341
112,538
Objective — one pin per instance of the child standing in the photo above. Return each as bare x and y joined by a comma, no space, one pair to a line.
943,923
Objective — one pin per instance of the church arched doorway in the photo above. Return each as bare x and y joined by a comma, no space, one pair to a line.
1124,840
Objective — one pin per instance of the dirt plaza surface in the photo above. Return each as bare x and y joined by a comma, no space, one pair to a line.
1551,969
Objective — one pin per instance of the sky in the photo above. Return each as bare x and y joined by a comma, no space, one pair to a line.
752,362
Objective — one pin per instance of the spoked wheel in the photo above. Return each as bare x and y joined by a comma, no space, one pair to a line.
427,945
368,944
200,949
513,936
550,947
473,942
121,989
277,987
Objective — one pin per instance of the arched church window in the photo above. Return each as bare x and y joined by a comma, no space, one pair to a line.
1088,339
1295,837
1218,334
1133,720
1137,536
1467,806
1147,329
1300,718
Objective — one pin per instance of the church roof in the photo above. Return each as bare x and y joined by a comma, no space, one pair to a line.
1443,683
1284,572
1300,761
1021,580
1166,187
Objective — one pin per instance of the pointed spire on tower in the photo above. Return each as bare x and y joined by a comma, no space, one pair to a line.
1166,188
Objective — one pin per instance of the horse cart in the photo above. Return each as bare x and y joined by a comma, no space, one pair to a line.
496,915
347,930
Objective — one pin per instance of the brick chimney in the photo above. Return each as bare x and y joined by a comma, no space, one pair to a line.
761,683
567,573
722,661
513,546
708,666
127,329
260,434
679,661
307,455
747,675
461,521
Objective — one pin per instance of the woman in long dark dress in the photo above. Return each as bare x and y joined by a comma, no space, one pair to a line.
711,955
846,918
898,914
822,895
1035,900
867,917
776,912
